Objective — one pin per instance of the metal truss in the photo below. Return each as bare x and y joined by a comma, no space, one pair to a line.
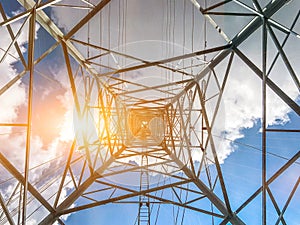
160,134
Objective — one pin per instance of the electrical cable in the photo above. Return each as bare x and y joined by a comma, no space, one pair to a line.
253,147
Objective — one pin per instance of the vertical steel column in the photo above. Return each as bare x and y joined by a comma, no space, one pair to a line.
264,86
29,114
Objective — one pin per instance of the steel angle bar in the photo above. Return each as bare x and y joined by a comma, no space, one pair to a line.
186,206
11,199
13,125
154,101
291,103
137,168
138,102
10,31
29,110
157,87
260,12
60,222
250,28
11,169
283,56
72,6
221,94
133,193
275,205
206,191
264,123
142,87
172,59
74,94
211,21
87,18
6,211
23,73
229,14
210,137
58,35
28,12
71,78
283,130
270,180
284,42
80,190
185,135
108,51
64,174
215,6
88,3
14,40
106,121
288,201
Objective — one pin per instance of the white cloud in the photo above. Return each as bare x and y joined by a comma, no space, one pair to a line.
242,107
15,96
13,104
242,97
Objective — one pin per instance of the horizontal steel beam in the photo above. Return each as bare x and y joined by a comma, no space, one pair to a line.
126,196
172,59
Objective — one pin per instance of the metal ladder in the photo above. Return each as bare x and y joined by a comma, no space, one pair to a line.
144,205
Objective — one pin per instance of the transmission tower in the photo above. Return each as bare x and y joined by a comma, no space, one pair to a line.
147,85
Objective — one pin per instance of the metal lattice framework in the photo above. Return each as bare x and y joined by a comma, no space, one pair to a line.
146,142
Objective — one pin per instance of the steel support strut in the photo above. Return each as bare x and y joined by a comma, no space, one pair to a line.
6,211
206,191
224,208
29,113
264,124
80,190
252,26
34,192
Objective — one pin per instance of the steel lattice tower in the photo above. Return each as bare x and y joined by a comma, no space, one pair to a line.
147,112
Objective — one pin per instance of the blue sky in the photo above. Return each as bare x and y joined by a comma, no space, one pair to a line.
241,168
242,172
